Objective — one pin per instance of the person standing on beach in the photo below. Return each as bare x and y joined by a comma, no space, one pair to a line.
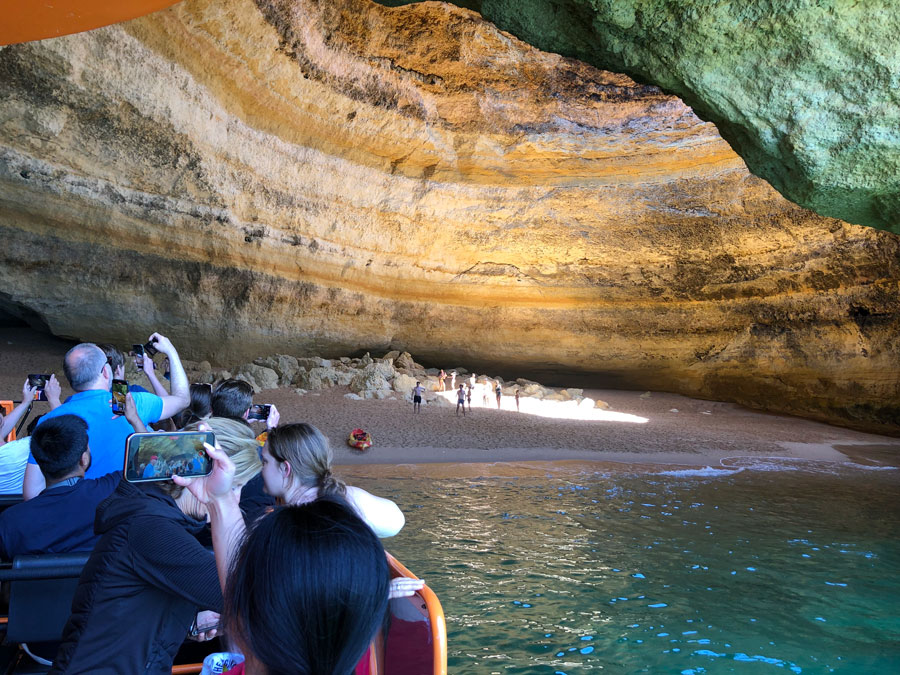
460,400
499,393
517,401
418,390
484,393
452,380
469,397
441,378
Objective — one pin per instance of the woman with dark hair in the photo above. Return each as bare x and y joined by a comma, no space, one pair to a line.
297,468
306,589
200,407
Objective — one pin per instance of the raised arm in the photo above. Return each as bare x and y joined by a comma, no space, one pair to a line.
225,518
53,392
180,398
10,421
131,414
149,369
382,515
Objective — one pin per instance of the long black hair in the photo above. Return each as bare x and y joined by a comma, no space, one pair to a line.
308,589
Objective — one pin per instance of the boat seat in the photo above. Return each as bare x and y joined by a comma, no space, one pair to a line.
40,600
9,500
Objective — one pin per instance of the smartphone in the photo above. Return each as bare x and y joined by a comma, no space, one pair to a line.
204,624
149,349
259,412
159,456
119,392
38,380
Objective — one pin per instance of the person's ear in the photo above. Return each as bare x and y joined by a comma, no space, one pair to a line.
286,469
85,459
246,414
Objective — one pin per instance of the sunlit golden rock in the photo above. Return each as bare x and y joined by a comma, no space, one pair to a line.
302,177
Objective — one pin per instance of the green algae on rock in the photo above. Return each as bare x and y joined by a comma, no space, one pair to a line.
806,92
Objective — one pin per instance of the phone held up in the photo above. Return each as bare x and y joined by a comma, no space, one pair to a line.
38,381
119,392
147,349
159,456
204,622
259,412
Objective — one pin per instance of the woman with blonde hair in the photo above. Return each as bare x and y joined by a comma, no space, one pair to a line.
297,468
148,576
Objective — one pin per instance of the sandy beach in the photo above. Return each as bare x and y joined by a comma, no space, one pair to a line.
638,427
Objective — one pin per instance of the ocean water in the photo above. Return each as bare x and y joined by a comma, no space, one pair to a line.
765,568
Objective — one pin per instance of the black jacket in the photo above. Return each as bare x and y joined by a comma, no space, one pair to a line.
139,591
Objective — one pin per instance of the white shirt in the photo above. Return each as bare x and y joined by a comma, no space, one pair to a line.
13,458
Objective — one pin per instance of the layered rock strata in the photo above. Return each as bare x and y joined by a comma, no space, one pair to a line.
302,177
807,92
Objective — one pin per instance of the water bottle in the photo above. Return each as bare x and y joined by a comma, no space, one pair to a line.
220,662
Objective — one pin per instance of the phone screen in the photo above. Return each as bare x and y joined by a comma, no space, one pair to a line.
119,392
150,349
259,411
38,380
150,457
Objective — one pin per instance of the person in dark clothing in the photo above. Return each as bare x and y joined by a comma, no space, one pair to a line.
61,518
142,586
146,578
232,399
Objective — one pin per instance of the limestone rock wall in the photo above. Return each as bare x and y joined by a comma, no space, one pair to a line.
301,177
807,92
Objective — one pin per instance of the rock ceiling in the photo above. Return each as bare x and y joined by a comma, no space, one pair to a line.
807,92
305,177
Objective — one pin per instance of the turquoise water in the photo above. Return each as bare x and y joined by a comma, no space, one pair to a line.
753,571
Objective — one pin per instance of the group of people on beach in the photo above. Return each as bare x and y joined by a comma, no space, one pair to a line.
463,393
297,579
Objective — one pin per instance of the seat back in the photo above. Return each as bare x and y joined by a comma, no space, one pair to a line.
41,588
9,500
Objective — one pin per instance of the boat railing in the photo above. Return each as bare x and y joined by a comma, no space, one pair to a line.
41,588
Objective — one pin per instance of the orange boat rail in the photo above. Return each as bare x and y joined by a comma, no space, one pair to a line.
435,616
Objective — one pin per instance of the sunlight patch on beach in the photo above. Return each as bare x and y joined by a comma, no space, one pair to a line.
560,410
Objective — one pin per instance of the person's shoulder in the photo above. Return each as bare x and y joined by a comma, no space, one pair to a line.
106,482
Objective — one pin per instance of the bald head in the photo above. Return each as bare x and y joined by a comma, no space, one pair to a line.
83,366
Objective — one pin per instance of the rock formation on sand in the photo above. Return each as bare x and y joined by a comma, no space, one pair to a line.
328,178
805,91
391,377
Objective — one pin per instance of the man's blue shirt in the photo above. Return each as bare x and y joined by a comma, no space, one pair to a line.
59,520
106,434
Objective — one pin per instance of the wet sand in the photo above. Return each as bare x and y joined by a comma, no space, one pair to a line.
637,428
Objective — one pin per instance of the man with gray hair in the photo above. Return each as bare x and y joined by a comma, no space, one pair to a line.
91,376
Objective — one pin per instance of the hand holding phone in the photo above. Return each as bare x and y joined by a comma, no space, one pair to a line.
38,381
259,412
204,622
119,392
159,456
